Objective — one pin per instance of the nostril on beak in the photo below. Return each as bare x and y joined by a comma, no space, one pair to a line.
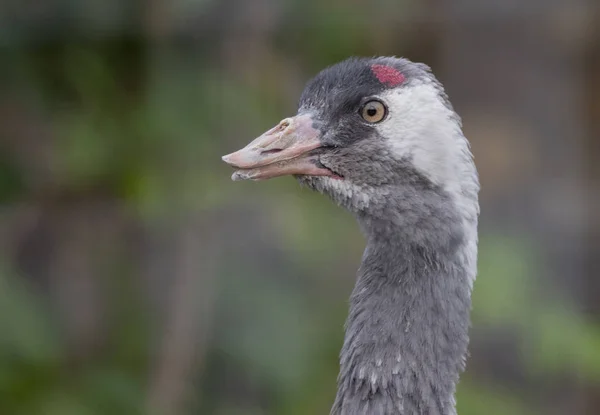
271,151
282,126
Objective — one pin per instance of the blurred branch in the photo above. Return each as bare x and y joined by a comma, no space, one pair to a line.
17,222
156,19
186,332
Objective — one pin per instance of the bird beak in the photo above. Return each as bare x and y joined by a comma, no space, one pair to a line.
283,150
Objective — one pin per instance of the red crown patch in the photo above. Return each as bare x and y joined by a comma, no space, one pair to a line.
387,75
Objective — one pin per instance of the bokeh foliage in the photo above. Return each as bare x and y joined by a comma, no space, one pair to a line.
138,123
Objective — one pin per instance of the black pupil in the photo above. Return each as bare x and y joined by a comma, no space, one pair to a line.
371,112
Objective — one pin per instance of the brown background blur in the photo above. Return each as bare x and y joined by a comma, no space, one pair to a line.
136,278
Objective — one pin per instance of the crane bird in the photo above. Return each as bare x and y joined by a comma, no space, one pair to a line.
380,137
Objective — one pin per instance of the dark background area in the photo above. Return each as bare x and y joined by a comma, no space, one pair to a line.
136,278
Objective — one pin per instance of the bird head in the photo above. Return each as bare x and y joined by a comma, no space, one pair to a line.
365,128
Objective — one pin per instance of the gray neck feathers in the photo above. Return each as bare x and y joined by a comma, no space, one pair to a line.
407,330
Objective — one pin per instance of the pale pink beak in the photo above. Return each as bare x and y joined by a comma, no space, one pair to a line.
285,149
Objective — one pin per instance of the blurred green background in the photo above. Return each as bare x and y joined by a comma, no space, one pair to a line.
136,278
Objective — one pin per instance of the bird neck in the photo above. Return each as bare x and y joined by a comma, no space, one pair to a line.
407,330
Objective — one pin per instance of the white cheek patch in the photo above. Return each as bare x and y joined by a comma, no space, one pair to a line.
421,127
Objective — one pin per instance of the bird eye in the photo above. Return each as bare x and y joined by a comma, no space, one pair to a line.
373,111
